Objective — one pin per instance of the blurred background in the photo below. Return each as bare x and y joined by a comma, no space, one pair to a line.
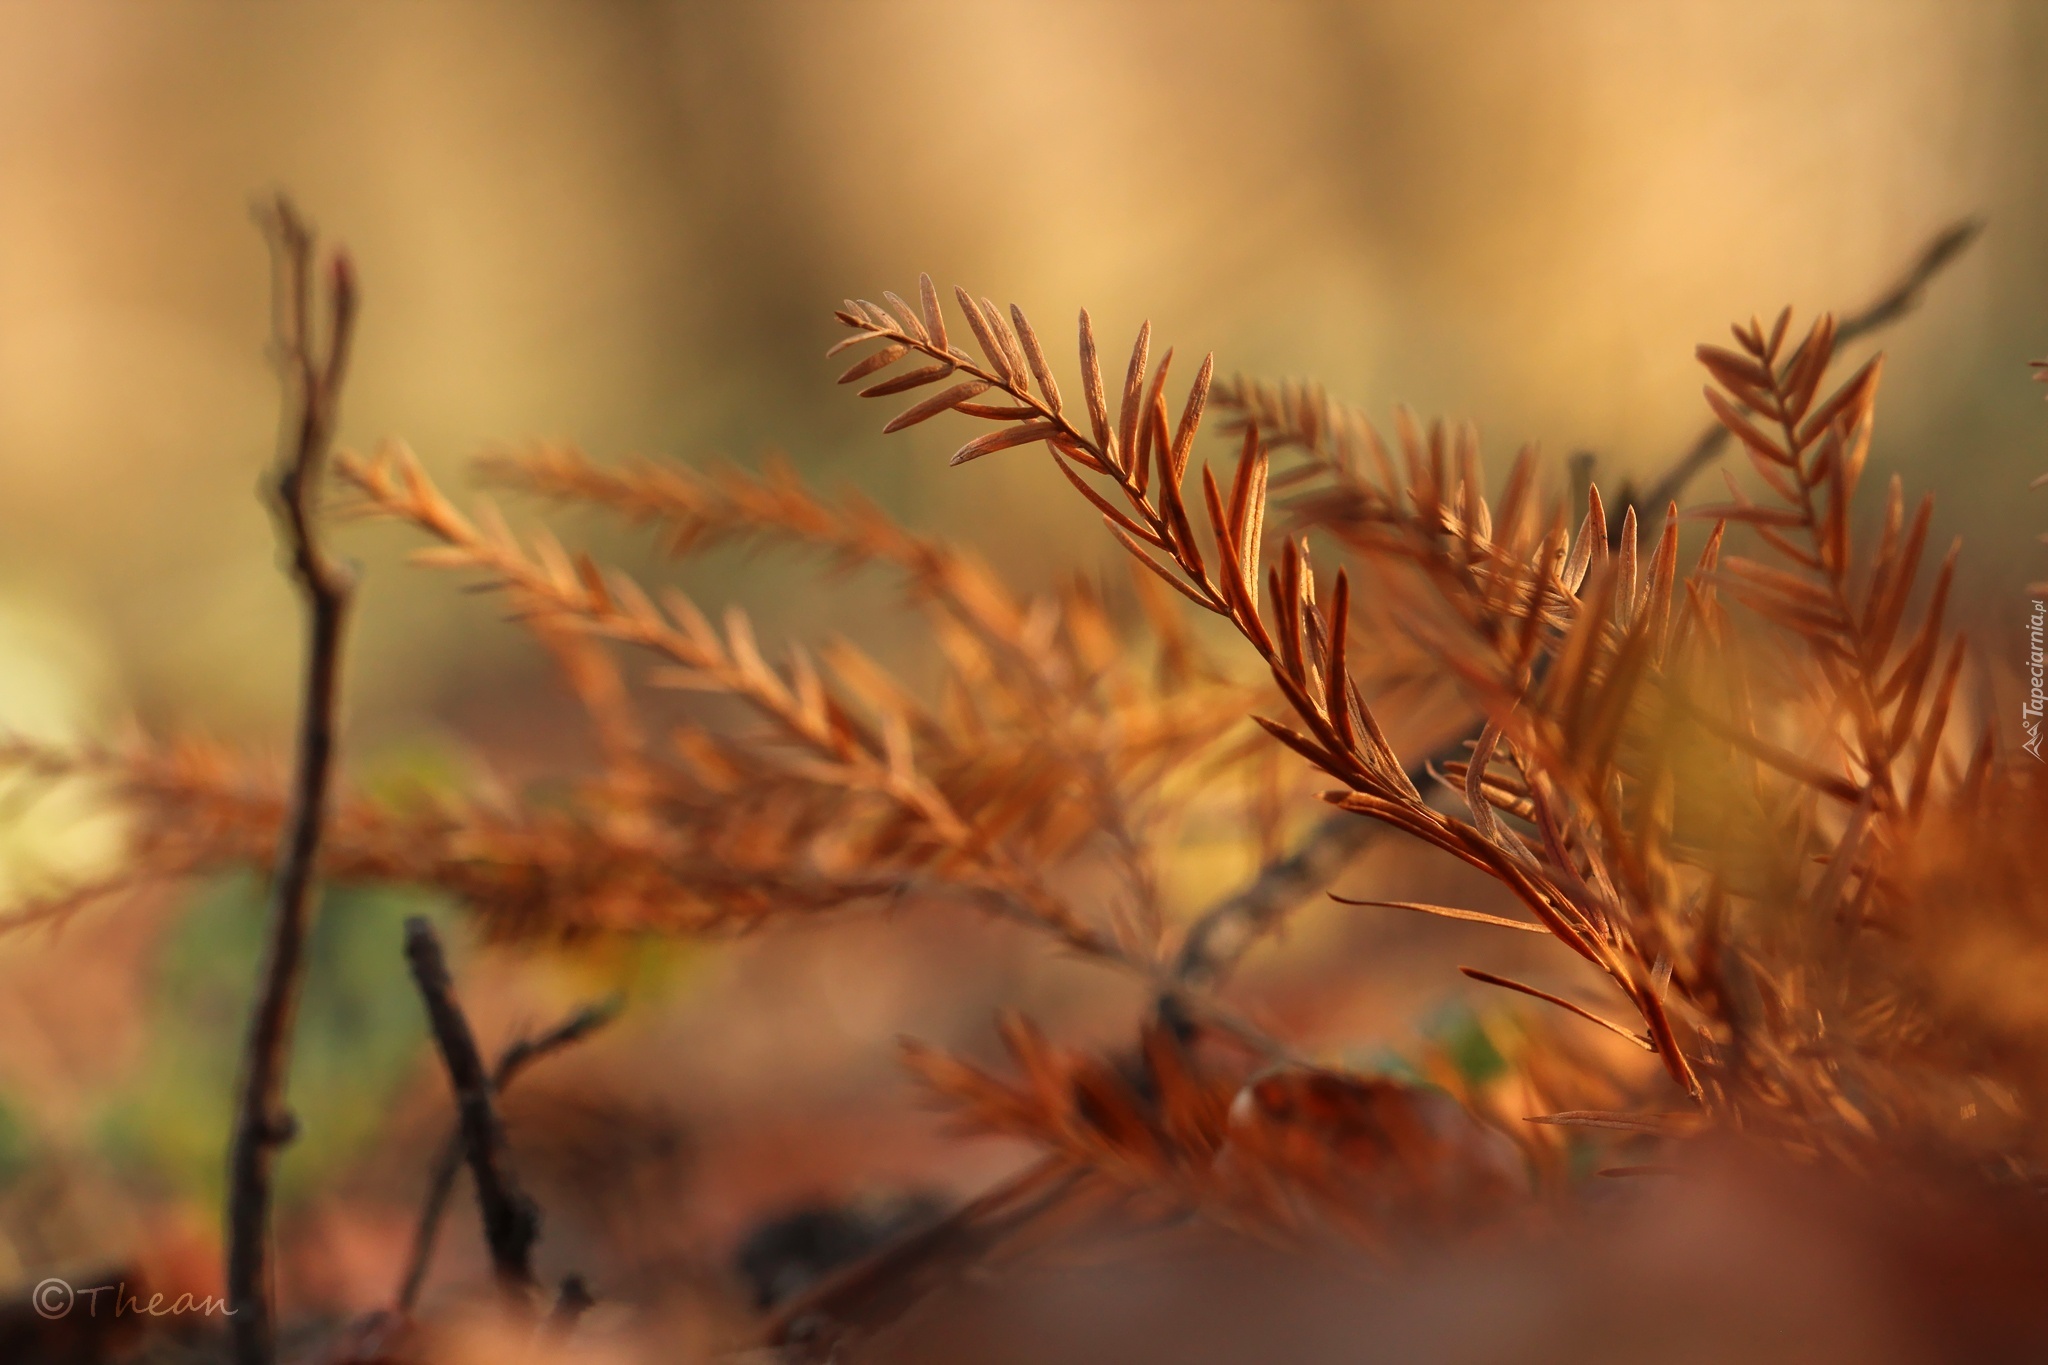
626,225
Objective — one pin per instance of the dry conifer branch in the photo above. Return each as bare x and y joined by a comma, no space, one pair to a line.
511,1221
695,510
313,367
1227,931
843,750
1304,645
1888,307
1570,643
836,747
1729,785
1074,698
441,1182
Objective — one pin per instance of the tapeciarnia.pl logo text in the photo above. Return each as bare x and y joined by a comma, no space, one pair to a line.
2037,694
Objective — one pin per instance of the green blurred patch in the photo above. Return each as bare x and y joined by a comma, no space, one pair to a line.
1464,1036
17,1145
359,1031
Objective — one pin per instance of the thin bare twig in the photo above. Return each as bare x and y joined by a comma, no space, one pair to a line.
1219,940
312,378
872,1292
511,1062
511,1221
1894,303
1230,928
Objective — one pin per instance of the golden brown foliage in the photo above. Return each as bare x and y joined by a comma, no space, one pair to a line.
1603,673
1729,778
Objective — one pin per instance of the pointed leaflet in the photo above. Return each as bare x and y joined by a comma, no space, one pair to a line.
1306,747
1888,606
1152,436
1172,579
879,316
1104,506
1851,401
867,365
934,315
1507,984
1151,432
1091,385
1777,337
1930,629
1248,503
1284,586
1446,912
1656,600
910,379
989,346
1336,676
1592,531
1483,816
1740,375
1035,353
1134,389
911,326
1013,355
1573,664
1937,720
1191,416
933,406
1625,596
1731,417
993,441
1803,372
1001,412
1237,589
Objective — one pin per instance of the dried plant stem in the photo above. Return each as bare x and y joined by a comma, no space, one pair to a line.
262,1125
511,1222
511,1063
1230,928
1219,940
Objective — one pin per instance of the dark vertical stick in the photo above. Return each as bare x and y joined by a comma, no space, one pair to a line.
511,1222
312,383
441,1182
